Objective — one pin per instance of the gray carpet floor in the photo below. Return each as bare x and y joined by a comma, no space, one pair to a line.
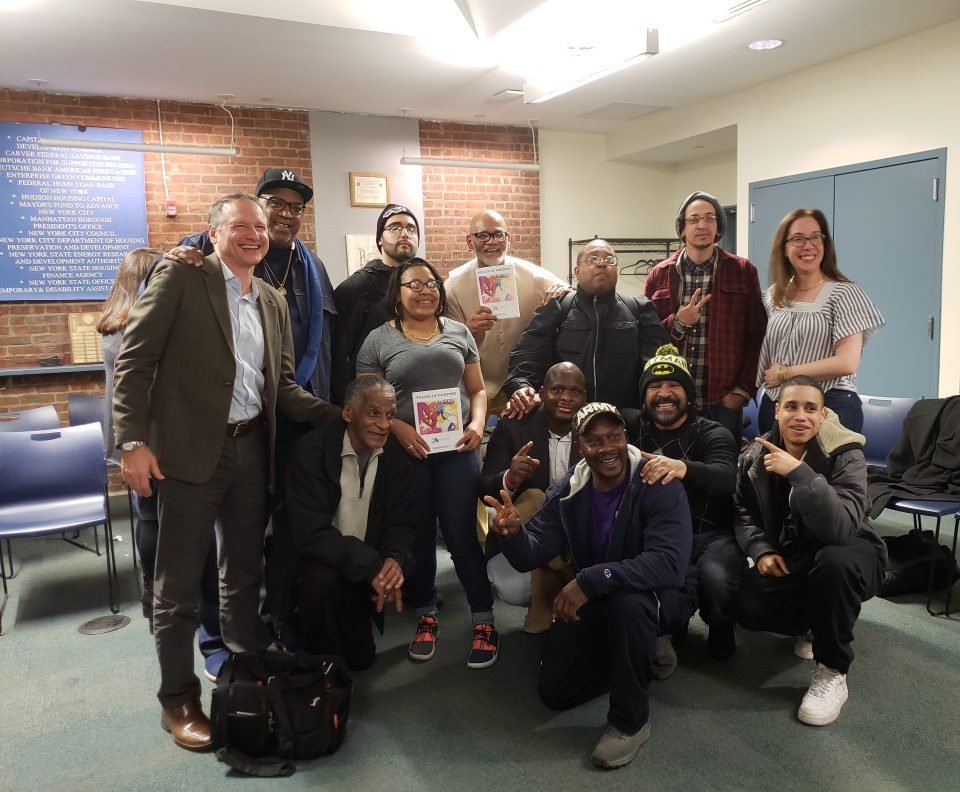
79,712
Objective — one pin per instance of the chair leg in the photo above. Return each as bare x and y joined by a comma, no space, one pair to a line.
133,530
112,581
3,602
11,573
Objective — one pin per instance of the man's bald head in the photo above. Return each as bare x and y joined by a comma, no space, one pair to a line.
490,252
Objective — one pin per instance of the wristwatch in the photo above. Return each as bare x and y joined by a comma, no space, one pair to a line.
131,445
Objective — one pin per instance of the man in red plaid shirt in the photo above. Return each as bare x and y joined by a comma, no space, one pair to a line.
709,303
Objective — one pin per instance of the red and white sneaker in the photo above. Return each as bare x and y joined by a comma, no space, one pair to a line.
483,653
424,643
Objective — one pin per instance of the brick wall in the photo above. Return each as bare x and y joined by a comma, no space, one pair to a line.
264,138
452,196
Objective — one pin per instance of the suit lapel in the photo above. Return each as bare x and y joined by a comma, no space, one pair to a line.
270,320
217,293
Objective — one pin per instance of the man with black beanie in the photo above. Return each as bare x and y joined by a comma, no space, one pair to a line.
359,299
679,444
709,302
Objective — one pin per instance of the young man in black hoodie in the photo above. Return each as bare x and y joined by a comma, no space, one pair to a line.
802,517
679,444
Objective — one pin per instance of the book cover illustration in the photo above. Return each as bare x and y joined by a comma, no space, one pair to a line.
498,290
438,417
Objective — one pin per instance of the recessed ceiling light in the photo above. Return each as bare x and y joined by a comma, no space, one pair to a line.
765,44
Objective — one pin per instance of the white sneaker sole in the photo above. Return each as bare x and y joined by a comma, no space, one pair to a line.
820,718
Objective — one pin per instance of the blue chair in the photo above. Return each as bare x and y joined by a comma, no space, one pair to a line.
25,421
55,481
750,414
83,408
883,419
28,420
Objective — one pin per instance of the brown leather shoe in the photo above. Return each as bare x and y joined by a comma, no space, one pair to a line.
188,725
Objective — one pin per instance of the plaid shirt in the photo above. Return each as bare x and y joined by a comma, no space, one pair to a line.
737,326
696,276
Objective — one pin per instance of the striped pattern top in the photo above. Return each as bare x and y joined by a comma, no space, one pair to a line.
803,332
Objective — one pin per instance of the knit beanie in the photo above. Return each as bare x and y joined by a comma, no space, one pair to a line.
667,364
389,211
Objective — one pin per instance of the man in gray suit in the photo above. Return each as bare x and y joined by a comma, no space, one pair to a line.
207,358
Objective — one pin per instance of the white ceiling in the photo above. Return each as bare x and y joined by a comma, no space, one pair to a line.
392,58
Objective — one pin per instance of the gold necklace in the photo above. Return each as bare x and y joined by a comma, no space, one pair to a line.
273,277
436,329
806,289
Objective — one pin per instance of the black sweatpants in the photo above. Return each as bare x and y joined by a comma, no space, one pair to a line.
822,593
611,649
334,614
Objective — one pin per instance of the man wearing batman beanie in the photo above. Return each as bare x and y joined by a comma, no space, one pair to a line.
359,299
679,444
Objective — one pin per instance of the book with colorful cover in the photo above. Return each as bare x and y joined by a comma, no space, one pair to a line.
438,418
498,290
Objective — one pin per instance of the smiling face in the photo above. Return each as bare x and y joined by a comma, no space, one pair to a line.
799,413
603,445
282,224
805,260
490,252
368,423
666,403
418,305
564,392
240,239
596,277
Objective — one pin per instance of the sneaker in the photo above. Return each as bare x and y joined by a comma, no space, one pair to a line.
665,660
823,701
483,653
424,643
617,749
213,664
803,648
722,641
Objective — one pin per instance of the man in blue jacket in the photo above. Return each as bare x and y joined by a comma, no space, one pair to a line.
629,544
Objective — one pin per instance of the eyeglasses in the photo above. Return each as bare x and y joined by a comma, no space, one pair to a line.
278,203
610,261
417,285
396,229
709,219
483,236
799,240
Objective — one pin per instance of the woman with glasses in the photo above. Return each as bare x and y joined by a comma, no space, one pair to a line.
818,322
420,349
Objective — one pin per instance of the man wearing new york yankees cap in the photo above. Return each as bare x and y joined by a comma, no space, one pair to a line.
629,545
359,299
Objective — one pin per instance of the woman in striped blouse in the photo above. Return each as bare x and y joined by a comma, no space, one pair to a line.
818,319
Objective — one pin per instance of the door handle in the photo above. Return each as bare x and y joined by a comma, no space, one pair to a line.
930,327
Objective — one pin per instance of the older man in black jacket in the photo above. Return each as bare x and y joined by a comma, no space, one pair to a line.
351,503
608,336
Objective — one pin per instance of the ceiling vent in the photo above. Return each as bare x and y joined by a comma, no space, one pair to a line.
620,111
509,95
736,9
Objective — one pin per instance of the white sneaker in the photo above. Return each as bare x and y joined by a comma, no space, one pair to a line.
617,749
823,701
803,648
665,659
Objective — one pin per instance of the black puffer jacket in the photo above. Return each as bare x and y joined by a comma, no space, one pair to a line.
608,336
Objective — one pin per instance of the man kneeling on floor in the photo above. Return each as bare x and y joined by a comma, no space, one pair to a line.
349,494
802,505
629,544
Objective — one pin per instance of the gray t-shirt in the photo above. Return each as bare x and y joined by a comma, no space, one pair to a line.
410,366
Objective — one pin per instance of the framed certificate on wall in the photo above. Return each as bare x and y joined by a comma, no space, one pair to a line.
369,189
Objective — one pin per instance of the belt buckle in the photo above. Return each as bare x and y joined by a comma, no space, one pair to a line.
238,428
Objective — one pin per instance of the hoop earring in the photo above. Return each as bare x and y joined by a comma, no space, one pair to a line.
396,309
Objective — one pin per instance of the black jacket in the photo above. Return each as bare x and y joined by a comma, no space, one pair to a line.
360,309
601,334
508,438
710,453
312,498
828,495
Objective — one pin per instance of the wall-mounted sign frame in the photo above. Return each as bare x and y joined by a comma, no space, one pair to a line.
369,189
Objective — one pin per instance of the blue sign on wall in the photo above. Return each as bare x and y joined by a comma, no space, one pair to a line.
67,215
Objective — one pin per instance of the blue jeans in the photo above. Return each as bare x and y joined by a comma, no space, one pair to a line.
446,487
720,564
846,404
731,420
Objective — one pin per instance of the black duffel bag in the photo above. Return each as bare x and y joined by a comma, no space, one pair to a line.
908,570
271,707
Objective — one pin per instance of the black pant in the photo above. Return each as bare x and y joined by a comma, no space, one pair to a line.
822,593
335,614
611,649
